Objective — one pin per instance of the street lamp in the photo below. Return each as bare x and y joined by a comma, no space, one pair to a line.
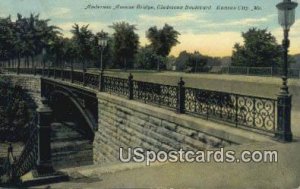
102,43
286,18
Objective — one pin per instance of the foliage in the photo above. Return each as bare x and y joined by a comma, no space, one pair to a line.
146,58
260,49
25,37
82,38
125,44
162,40
14,112
192,61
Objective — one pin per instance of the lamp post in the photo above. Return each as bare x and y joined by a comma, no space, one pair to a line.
286,18
102,43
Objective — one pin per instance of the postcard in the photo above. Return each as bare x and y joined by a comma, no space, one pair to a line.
149,94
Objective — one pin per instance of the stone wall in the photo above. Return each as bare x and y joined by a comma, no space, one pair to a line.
31,84
124,123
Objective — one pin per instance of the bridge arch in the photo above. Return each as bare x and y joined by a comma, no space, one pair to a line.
71,104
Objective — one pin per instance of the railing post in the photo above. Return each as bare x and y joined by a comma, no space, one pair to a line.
181,97
34,70
284,107
101,81
130,86
44,163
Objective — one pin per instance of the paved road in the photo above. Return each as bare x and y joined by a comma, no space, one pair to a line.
281,175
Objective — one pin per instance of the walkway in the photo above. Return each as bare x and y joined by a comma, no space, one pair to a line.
281,175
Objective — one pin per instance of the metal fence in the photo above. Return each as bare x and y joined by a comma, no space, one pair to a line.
240,110
163,95
15,167
252,112
230,70
250,71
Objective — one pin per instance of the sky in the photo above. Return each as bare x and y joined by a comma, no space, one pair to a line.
211,32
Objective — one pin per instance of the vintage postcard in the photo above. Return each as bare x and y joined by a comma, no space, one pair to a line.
150,94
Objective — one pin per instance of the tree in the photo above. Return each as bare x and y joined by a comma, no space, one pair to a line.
162,40
146,58
82,37
39,34
6,39
24,38
260,49
125,44
57,51
70,51
192,61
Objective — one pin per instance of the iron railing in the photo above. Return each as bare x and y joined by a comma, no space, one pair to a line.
115,85
245,111
240,110
14,167
92,80
163,95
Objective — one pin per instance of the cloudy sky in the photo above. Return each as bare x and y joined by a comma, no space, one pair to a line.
212,32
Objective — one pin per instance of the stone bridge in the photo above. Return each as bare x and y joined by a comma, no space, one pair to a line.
94,115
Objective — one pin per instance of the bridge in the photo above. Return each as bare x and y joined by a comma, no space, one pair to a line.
113,112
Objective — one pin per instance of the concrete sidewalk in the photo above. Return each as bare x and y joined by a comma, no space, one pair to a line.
283,174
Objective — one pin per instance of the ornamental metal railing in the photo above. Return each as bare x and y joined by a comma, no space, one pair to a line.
163,95
15,167
116,85
240,110
251,112
92,80
28,157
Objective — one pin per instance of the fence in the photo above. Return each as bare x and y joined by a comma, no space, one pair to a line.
255,113
250,71
231,70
